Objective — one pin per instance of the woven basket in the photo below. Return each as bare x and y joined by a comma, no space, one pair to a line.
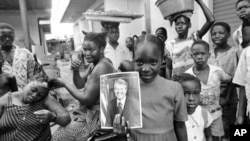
171,7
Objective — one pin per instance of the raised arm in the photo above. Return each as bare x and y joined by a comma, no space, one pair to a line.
58,114
209,19
240,118
180,130
79,78
91,91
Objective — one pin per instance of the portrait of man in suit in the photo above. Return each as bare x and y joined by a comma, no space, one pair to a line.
123,104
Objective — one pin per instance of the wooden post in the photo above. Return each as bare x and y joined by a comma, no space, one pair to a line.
147,16
25,23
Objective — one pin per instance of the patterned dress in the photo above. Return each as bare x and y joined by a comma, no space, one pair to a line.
22,67
18,123
179,52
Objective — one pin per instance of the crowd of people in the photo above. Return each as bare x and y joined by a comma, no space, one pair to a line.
190,90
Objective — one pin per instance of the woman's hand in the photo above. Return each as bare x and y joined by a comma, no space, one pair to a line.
45,116
76,65
56,83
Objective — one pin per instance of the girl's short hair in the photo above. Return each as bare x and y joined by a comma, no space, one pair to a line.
184,77
201,42
152,39
223,24
98,38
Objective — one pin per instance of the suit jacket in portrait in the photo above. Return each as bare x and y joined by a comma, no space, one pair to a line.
130,112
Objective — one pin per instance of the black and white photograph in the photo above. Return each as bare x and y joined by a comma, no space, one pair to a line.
134,70
120,94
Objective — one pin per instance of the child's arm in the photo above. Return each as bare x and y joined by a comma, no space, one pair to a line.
224,77
224,101
209,17
180,114
208,134
242,106
13,83
180,130
208,119
168,68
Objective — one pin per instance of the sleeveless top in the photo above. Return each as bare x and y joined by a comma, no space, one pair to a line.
18,123
84,121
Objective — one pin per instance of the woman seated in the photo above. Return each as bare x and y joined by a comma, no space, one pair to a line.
85,120
25,115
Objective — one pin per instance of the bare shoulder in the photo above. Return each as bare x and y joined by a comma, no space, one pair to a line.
103,67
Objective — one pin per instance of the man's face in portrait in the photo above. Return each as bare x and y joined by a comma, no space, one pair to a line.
120,91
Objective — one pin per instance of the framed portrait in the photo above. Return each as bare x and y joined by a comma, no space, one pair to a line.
120,94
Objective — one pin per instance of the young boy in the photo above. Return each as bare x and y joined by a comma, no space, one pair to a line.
7,81
199,119
211,78
242,34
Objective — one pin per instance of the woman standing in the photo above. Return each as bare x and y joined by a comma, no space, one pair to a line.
178,50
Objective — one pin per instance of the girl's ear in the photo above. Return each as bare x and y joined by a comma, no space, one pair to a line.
190,25
228,35
102,50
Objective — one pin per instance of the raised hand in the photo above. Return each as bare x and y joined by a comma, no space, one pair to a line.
75,65
56,83
44,116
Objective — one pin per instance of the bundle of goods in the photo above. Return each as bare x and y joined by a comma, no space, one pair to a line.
170,8
111,16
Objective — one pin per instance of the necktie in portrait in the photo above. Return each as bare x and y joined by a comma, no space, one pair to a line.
119,107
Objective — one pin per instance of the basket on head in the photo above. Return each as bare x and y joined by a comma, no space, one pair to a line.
172,7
